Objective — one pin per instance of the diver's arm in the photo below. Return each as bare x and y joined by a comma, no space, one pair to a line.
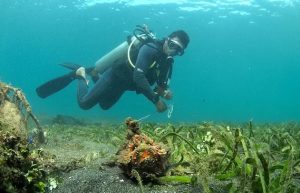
144,60
164,75
163,80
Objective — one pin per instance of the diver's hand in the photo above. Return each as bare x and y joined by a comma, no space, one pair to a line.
161,106
168,94
165,93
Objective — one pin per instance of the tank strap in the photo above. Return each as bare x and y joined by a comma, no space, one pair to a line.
131,44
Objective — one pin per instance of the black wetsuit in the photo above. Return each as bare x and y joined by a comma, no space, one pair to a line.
116,80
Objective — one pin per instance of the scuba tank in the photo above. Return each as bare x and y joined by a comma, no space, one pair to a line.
120,54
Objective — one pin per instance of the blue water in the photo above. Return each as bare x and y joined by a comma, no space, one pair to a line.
243,61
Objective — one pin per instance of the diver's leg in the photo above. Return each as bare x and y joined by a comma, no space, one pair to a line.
87,99
82,90
112,96
94,74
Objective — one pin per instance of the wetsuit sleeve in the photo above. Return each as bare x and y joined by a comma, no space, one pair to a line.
144,60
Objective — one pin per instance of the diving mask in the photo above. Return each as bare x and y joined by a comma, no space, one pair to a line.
175,45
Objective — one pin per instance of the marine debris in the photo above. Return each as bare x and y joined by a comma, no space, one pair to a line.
20,170
14,105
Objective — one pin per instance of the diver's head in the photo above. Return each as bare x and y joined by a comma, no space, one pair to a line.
176,43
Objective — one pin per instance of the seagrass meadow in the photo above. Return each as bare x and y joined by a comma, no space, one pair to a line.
204,157
231,122
67,154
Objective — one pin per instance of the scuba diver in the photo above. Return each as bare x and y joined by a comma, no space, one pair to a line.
135,65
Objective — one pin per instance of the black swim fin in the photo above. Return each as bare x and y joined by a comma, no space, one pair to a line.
70,66
61,82
55,85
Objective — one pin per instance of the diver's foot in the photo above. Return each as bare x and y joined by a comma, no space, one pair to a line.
81,73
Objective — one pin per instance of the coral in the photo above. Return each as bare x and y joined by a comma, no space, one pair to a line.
141,153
